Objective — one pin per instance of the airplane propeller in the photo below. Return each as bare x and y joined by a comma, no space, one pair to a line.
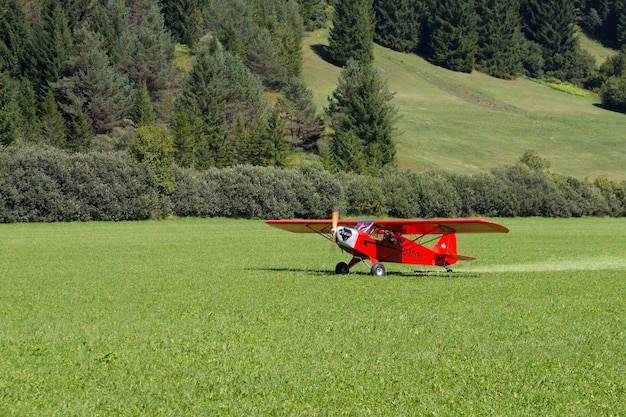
335,220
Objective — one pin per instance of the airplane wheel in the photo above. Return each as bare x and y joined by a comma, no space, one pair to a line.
342,268
378,269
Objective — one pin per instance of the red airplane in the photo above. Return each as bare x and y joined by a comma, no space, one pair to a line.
379,241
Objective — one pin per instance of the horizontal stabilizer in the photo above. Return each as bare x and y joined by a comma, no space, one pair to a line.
462,257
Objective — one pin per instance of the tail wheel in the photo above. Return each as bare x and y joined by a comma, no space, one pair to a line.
378,270
342,268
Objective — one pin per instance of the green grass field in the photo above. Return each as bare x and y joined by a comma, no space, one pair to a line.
470,123
231,317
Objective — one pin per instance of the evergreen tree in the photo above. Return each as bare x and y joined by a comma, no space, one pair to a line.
347,153
620,15
48,47
352,33
185,127
29,125
362,116
183,18
288,32
552,24
111,20
398,24
142,113
94,87
9,111
78,130
52,123
200,129
248,152
275,148
75,11
453,34
499,48
263,59
13,35
313,13
148,55
302,125
232,41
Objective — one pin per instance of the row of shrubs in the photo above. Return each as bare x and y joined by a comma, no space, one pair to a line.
40,184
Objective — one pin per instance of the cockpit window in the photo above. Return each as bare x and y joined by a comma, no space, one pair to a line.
365,226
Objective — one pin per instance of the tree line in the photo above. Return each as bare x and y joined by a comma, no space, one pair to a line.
185,88
82,75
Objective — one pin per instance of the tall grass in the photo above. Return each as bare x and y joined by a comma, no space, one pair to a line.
231,317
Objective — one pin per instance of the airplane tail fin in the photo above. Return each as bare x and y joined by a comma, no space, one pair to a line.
446,245
446,252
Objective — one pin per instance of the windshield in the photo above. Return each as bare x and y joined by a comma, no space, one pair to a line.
365,226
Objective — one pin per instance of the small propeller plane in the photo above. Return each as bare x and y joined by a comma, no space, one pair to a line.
379,241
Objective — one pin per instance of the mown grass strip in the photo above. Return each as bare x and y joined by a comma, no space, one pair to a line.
231,317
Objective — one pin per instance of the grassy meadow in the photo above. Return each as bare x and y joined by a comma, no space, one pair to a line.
231,317
470,123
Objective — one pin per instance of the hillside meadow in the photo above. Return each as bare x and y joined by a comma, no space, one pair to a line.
232,317
469,123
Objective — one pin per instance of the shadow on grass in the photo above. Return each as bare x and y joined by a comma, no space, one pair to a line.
322,52
392,274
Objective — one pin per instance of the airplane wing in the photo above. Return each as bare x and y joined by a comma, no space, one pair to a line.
440,227
404,227
308,226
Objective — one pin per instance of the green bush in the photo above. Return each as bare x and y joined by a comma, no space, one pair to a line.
613,93
42,184
364,195
422,195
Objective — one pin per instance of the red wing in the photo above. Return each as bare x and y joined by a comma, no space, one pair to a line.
308,226
440,227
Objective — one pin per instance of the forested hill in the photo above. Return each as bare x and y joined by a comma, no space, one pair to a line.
126,109
84,74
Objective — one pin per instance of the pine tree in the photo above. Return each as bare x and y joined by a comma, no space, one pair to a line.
52,123
201,119
288,32
13,35
499,39
552,24
453,34
29,124
620,14
185,127
398,24
303,126
313,13
275,148
142,113
111,20
360,110
9,111
148,54
48,47
183,18
231,40
94,87
352,33
264,59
